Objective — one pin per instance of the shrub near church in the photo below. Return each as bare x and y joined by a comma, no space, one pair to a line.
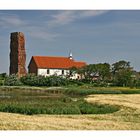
33,80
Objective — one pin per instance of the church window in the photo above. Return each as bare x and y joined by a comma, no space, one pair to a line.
62,72
48,71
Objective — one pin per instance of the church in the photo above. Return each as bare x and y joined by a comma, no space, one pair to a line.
52,65
39,65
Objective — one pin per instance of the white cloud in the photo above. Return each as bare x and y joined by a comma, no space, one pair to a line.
40,32
43,30
62,18
11,20
66,17
92,13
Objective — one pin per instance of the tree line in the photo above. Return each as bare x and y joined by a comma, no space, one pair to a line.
120,73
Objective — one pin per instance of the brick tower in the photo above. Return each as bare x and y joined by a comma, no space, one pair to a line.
17,54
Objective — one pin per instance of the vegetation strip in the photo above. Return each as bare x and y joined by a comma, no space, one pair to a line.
56,100
72,90
47,103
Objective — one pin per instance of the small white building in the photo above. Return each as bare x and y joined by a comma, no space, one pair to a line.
49,65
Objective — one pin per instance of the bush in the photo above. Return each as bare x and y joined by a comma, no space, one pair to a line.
57,81
75,82
33,80
1,82
2,76
12,80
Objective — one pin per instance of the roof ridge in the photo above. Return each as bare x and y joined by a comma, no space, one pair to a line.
50,56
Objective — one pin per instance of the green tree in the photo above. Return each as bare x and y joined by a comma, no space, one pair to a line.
124,77
116,67
122,73
104,71
87,71
2,76
90,71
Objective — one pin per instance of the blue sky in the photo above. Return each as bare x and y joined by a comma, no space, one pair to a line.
92,36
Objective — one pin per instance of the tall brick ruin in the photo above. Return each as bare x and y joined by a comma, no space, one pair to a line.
17,54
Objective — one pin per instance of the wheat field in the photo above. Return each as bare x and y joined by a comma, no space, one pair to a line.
127,118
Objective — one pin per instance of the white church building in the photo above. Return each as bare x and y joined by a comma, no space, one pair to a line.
51,65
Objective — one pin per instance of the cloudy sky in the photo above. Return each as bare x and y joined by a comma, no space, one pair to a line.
92,36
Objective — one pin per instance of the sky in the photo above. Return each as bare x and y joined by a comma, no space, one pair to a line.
93,36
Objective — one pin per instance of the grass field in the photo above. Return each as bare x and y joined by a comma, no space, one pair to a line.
54,102
127,118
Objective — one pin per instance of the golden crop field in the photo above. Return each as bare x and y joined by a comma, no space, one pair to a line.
127,118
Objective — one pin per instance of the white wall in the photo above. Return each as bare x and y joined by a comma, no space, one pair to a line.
57,72
52,72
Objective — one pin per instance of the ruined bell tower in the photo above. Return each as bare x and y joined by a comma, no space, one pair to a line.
17,54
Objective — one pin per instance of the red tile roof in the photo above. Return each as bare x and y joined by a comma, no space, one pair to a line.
56,62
